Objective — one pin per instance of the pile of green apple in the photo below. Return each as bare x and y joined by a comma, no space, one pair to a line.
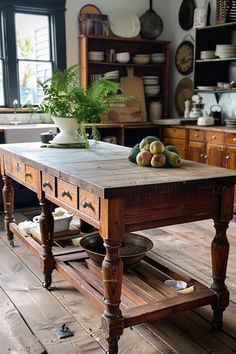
152,152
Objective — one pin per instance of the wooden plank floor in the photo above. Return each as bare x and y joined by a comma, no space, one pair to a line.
29,314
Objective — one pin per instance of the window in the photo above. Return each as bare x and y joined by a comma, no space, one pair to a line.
32,44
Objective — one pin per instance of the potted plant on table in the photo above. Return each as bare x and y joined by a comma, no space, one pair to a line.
72,106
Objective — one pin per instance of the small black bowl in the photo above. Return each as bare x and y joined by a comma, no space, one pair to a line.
46,137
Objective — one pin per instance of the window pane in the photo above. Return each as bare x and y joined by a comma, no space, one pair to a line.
32,33
2,100
29,74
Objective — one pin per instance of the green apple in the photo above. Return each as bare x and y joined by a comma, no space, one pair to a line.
144,158
156,147
158,160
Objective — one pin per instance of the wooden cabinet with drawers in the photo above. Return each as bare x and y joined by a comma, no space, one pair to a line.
176,136
211,145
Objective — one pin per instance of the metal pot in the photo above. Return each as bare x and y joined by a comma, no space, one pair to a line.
132,250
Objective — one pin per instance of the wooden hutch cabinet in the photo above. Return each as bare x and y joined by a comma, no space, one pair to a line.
91,68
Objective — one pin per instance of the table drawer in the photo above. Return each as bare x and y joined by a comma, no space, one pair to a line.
230,139
89,204
215,137
67,193
196,135
48,184
174,133
31,176
18,170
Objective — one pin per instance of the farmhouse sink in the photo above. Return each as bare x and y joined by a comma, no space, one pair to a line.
25,132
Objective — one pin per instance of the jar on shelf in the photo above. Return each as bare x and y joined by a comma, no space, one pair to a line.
155,111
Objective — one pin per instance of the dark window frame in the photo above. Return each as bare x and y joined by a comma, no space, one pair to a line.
55,9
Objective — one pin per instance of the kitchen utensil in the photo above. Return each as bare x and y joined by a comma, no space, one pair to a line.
186,13
132,250
216,111
133,85
151,24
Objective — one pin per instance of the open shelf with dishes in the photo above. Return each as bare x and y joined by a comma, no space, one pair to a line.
98,58
215,59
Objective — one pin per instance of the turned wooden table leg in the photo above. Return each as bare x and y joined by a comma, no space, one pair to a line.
220,252
112,320
46,223
8,202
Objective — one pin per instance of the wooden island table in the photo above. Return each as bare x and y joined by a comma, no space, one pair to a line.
102,187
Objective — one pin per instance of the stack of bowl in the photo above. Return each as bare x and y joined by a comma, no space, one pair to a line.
158,58
141,59
123,57
151,85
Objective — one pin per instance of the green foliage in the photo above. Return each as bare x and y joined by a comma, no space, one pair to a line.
65,98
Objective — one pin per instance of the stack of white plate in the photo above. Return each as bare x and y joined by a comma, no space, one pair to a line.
158,58
232,11
96,55
141,58
151,85
224,51
112,75
207,54
231,123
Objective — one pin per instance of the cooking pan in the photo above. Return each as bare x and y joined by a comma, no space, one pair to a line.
151,24
186,14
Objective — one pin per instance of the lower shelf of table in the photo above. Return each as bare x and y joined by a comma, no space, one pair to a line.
144,297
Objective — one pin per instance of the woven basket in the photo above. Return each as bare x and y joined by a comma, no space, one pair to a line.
222,10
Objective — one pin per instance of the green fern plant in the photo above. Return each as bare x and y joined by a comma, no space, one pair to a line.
64,97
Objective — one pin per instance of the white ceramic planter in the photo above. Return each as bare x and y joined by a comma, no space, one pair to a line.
68,131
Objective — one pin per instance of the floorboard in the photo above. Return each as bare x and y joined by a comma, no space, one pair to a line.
31,313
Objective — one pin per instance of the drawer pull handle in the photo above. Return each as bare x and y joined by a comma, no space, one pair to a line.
46,184
227,157
205,157
65,193
202,155
86,203
196,135
234,139
213,137
17,167
28,174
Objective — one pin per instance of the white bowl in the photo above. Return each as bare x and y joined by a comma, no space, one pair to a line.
61,223
176,284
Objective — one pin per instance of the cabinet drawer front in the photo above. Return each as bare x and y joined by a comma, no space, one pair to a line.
230,139
89,204
197,135
48,184
215,137
18,170
175,133
31,176
67,193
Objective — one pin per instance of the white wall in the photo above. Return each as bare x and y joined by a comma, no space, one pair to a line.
168,10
